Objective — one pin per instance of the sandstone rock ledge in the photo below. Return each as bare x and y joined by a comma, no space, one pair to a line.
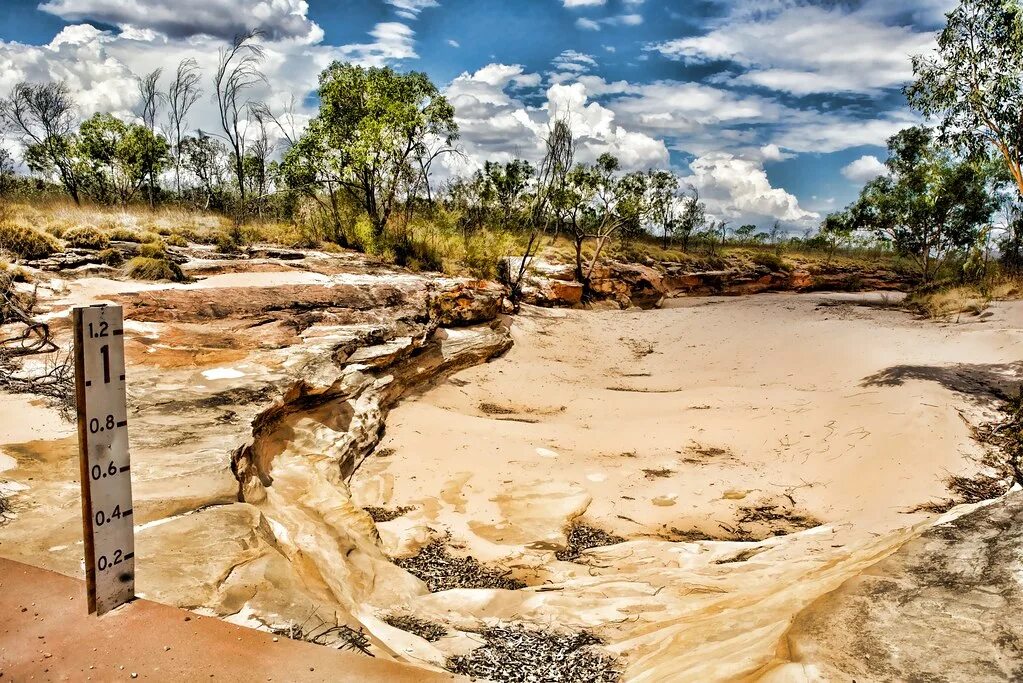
647,285
945,607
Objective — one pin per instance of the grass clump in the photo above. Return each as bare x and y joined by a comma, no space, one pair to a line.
776,263
153,250
146,268
25,242
945,302
426,630
442,571
519,653
111,257
175,241
122,234
86,237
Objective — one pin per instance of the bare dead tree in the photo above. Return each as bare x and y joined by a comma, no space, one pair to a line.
182,94
238,72
285,121
27,336
150,98
44,115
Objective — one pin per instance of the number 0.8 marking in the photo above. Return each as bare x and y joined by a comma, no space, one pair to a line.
95,425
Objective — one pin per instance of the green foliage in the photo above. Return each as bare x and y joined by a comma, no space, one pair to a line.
86,237
176,241
931,206
25,242
120,156
371,138
974,82
146,268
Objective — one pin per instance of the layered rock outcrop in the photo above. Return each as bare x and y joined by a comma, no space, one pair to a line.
647,285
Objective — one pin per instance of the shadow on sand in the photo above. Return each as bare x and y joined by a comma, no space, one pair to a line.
981,382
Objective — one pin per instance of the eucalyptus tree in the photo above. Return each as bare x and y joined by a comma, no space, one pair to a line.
44,116
931,205
548,200
122,156
973,83
375,136
601,203
150,98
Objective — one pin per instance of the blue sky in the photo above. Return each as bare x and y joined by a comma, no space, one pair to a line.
773,109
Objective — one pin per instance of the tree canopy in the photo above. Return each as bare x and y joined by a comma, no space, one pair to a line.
931,204
375,136
974,82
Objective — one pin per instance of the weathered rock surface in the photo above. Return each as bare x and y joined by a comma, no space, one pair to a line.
645,286
313,353
945,607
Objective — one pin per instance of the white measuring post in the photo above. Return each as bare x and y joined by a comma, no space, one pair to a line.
103,452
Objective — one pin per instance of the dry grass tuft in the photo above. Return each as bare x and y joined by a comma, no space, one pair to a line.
144,268
26,242
86,237
944,303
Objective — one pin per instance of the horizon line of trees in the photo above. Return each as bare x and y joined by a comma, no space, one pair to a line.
369,152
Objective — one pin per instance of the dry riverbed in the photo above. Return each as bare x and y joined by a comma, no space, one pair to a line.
752,452
728,460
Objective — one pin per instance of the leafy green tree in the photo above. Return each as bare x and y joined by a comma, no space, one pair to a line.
663,188
122,156
206,159
744,233
930,206
600,202
44,116
690,218
509,183
974,82
836,229
375,136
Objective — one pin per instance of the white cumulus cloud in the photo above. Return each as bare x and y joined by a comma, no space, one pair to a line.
864,169
278,19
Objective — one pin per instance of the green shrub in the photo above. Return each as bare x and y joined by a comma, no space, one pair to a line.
484,251
111,257
25,242
176,241
145,268
86,237
776,263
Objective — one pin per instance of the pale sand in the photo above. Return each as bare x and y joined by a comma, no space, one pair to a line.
764,399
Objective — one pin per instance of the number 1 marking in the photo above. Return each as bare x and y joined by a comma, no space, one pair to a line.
105,351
